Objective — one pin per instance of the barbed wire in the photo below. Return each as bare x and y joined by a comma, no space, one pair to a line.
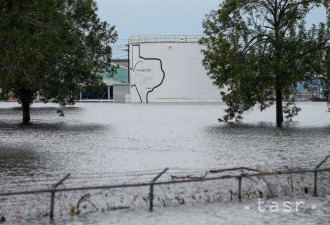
7,183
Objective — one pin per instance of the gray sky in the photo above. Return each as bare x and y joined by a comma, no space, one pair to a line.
154,17
160,17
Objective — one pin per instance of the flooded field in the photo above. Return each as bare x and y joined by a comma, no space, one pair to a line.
96,138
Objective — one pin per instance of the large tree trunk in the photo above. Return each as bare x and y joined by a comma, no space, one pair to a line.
26,111
279,108
25,95
278,72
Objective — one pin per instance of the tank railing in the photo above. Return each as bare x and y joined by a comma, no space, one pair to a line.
164,38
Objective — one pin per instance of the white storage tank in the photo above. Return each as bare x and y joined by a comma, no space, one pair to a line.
169,69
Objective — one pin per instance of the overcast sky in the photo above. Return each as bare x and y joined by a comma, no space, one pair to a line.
154,17
160,17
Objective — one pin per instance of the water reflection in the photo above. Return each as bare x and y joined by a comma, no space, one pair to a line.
262,144
21,160
48,146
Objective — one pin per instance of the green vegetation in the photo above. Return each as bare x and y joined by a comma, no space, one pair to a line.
50,48
258,50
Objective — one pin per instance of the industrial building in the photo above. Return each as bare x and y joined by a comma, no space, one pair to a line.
169,69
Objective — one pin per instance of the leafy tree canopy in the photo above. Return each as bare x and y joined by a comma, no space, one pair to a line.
258,50
50,48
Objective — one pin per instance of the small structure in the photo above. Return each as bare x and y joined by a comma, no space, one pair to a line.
310,91
116,86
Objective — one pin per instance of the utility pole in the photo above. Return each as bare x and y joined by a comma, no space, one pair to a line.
128,60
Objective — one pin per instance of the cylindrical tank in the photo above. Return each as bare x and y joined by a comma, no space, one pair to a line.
169,69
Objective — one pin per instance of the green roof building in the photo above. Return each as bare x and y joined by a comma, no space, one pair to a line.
117,86
120,77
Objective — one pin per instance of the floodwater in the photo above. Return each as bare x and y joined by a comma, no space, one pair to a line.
106,137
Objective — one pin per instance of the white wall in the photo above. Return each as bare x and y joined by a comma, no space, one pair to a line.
185,77
120,91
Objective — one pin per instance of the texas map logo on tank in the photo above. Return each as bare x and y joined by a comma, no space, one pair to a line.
141,70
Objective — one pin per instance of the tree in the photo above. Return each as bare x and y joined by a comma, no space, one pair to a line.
50,48
320,66
258,50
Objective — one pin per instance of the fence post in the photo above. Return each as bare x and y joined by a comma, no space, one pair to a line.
151,194
240,188
151,197
52,197
315,183
316,172
52,203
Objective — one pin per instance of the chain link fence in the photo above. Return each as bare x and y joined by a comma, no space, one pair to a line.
87,193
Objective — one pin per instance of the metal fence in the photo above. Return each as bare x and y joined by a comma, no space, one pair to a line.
78,195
